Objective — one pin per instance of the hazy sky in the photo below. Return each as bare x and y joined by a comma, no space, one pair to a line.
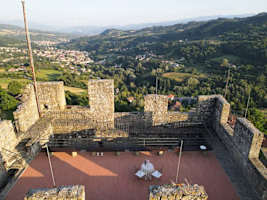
123,12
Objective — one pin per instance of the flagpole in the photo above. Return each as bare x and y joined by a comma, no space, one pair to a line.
179,161
30,55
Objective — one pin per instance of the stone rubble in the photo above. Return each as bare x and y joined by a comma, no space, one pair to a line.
178,192
75,192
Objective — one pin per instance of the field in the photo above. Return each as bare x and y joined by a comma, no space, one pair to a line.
2,70
5,81
74,90
48,74
179,77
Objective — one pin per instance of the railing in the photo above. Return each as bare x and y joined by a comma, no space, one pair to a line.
189,141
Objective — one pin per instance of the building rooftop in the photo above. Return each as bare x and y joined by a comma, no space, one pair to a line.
113,177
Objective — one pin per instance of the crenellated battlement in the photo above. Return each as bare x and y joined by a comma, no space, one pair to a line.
243,142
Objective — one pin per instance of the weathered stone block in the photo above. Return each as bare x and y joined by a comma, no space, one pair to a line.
27,112
76,192
8,141
51,96
158,106
247,138
101,98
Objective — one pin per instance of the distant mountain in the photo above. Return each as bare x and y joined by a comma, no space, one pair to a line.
10,32
94,30
247,34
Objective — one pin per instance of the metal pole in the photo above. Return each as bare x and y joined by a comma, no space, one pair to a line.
179,161
50,164
227,82
30,55
247,104
156,84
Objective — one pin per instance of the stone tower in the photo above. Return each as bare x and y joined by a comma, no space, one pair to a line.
101,101
158,106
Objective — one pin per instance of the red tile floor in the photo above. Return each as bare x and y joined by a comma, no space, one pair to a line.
112,177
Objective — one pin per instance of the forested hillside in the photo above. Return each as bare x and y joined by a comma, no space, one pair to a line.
204,50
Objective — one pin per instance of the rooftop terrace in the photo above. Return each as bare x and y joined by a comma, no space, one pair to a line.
113,177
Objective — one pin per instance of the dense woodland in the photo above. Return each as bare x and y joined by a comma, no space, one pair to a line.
189,59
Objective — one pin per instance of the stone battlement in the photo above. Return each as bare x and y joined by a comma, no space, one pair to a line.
243,142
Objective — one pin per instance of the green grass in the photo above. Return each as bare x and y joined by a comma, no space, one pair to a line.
179,77
47,74
5,81
2,70
74,90
232,59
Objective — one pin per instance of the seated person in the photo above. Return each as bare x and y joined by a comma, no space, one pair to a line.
148,168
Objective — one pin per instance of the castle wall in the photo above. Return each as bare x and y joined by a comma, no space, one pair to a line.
8,143
243,144
27,112
101,99
133,119
158,106
205,107
51,96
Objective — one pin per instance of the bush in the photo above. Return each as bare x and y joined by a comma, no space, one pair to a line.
7,102
14,88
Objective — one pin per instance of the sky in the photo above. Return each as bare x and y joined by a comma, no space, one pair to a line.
123,12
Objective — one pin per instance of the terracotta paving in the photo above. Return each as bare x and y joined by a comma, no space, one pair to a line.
112,177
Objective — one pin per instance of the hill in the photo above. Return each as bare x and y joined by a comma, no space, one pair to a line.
249,35
214,29
10,35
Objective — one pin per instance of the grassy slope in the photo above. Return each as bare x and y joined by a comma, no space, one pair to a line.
48,74
74,90
5,81
179,77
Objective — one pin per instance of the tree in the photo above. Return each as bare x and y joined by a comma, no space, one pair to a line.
225,63
14,88
192,82
258,119
7,102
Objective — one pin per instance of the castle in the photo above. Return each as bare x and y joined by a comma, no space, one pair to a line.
21,140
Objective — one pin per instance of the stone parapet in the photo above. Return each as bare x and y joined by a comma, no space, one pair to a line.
76,192
205,107
27,112
8,141
51,96
248,138
158,106
101,98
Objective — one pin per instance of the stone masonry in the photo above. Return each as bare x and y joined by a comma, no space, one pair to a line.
243,142
27,113
101,100
75,192
51,96
158,106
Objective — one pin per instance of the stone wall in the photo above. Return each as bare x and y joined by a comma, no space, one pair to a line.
8,139
76,192
27,112
51,96
243,144
158,106
174,117
205,107
101,98
133,120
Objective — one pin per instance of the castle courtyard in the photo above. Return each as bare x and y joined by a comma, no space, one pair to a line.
113,176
